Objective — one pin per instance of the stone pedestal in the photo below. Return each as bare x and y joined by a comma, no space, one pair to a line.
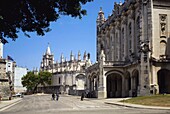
144,91
102,94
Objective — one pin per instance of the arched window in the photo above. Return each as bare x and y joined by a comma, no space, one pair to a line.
162,47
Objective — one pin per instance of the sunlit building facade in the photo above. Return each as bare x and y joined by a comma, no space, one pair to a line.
68,75
133,50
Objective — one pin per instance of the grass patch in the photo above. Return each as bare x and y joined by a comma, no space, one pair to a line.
155,100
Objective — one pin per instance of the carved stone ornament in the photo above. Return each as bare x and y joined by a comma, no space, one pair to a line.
163,17
145,2
163,28
124,20
163,25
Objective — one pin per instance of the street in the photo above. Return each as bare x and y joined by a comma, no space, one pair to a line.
42,104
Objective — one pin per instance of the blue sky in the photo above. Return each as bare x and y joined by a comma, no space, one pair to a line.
68,34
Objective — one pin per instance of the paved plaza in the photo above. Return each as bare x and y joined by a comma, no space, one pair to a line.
42,104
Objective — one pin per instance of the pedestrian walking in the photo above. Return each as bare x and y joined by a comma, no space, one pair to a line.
53,96
82,96
57,96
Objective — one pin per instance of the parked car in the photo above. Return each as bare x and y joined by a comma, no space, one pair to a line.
18,95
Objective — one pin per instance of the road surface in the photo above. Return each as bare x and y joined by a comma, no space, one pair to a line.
42,104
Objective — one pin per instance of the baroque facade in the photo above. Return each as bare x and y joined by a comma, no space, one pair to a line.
133,53
68,75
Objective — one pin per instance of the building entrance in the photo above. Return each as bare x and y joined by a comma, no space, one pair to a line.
163,81
114,85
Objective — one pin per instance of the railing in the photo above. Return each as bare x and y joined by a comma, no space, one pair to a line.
115,63
163,58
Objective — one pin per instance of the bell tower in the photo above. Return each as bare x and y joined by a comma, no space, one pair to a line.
100,20
48,60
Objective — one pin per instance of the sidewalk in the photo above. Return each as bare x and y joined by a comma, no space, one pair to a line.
116,101
4,104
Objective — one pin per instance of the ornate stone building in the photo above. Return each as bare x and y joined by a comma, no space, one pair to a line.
4,84
133,53
68,75
6,75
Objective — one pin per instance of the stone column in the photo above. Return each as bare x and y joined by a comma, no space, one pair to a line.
90,84
132,84
145,65
123,86
102,80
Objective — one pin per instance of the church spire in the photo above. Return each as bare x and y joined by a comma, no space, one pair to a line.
62,58
71,56
100,18
85,56
79,56
48,51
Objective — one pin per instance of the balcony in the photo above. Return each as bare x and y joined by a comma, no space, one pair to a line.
164,58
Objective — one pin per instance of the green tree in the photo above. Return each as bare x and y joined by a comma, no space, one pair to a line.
44,78
31,80
35,15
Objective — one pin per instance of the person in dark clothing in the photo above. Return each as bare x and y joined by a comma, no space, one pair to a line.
57,96
82,96
53,96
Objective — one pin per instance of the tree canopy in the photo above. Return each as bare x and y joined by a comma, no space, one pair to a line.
35,15
31,80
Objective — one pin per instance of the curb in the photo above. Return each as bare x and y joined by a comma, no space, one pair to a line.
138,106
10,104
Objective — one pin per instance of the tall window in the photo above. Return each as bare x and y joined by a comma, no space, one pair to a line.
130,37
123,45
162,47
116,43
59,80
138,32
111,45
